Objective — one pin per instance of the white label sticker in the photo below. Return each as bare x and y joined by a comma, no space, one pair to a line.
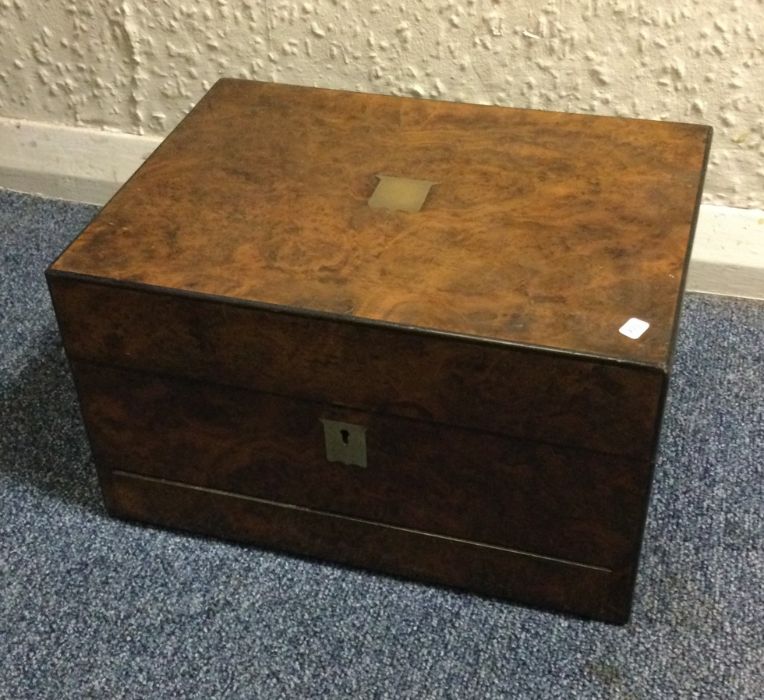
634,328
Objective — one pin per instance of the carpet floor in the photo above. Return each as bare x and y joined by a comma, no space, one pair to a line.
91,607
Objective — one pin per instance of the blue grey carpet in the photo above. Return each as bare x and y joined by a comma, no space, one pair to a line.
91,607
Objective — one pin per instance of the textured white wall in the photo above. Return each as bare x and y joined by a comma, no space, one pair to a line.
139,65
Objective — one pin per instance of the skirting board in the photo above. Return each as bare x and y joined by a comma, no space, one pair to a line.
89,165
63,162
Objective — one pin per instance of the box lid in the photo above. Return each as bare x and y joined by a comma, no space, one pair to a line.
524,227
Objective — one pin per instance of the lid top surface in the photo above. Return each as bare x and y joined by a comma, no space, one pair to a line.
537,228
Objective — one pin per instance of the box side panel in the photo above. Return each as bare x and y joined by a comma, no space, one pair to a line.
569,504
532,395
589,593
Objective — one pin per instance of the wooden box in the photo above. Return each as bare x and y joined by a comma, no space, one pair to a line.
398,334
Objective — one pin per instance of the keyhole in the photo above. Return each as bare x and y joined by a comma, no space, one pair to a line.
345,434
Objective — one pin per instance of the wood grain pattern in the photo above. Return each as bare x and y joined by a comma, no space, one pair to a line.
562,400
543,229
455,482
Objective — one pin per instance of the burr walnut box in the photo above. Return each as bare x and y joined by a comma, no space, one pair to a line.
424,338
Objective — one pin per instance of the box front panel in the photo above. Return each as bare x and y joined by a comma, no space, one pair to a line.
532,466
574,505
